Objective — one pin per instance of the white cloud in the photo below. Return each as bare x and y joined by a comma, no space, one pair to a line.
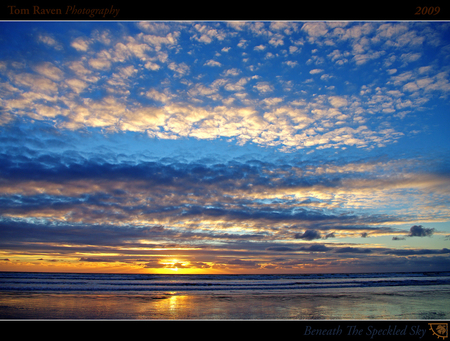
390,30
231,72
315,29
291,63
263,87
237,25
326,76
181,68
157,41
282,26
212,63
402,77
104,37
242,43
48,70
410,57
76,85
155,27
35,82
276,40
259,48
157,96
337,101
272,101
314,71
49,41
339,57
100,63
238,86
85,74
425,69
151,66
81,44
365,57
207,34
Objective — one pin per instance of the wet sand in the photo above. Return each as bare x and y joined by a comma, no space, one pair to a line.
349,304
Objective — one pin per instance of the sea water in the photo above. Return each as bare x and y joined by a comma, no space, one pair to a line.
421,295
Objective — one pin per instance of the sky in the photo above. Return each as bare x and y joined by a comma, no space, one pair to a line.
224,147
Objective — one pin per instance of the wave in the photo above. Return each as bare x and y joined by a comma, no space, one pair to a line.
70,282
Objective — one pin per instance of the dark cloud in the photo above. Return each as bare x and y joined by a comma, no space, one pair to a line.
316,248
308,235
280,248
13,232
420,231
418,252
352,250
311,248
200,265
90,259
398,238
243,263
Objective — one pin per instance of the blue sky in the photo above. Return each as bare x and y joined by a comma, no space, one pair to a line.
224,147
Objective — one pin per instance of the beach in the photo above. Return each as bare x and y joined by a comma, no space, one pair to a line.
140,297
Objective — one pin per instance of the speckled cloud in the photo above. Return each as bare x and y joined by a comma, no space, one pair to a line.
224,147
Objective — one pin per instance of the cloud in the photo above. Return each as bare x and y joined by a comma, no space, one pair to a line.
420,231
308,235
231,72
37,83
157,96
157,41
80,44
410,57
418,252
311,248
102,62
291,63
212,63
337,101
182,68
207,34
314,71
316,248
152,66
50,41
242,43
237,25
352,250
276,40
76,85
280,248
315,29
263,87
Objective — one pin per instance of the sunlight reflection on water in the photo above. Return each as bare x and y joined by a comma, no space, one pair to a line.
177,306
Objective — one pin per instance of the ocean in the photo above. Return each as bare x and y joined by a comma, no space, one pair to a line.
374,296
